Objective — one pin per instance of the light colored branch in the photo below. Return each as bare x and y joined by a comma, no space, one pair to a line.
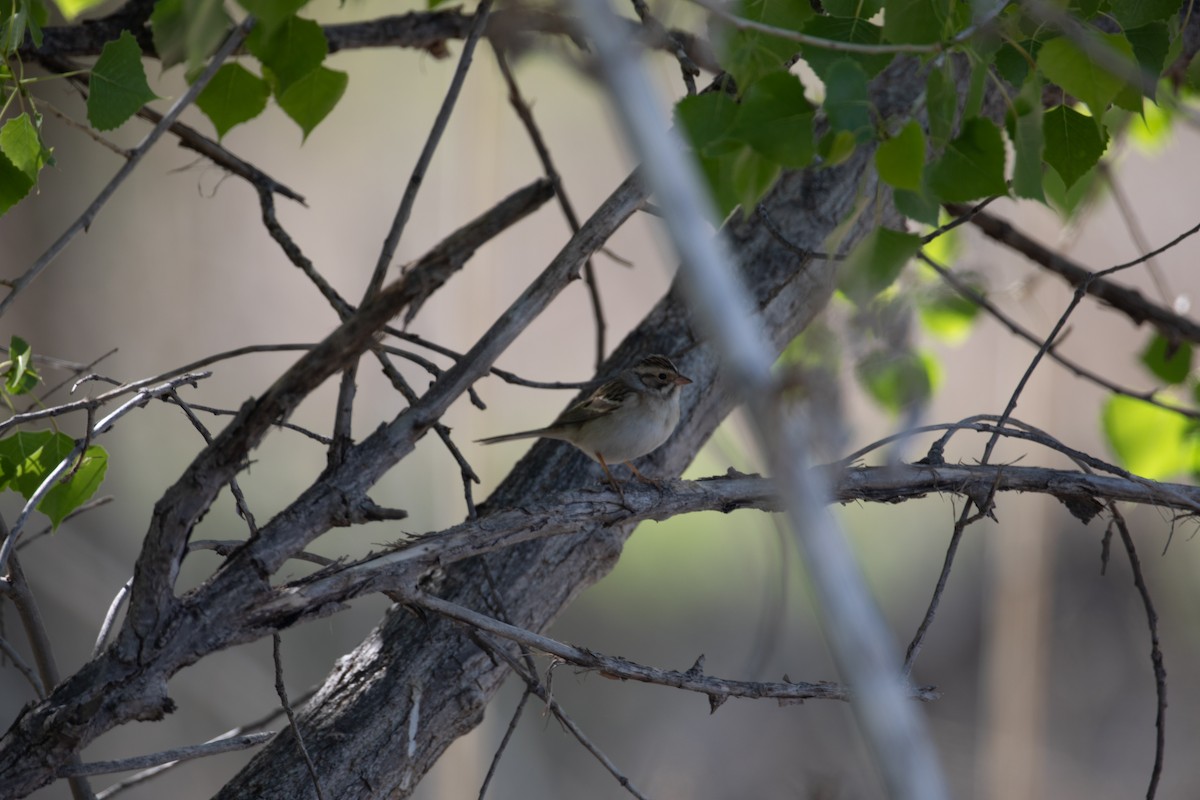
693,680
168,756
859,640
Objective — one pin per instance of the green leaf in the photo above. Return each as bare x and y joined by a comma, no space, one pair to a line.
856,31
1148,440
707,120
901,159
846,103
874,263
941,103
272,13
919,206
897,381
1136,13
914,21
1073,145
1150,45
310,99
21,376
14,184
718,173
66,497
233,96
835,147
752,175
31,457
1012,60
1171,364
118,87
20,143
73,8
291,51
1025,129
748,55
1068,201
776,120
1065,64
972,166
861,9
188,31
948,315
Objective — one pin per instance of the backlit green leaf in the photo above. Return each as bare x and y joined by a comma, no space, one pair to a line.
14,184
85,480
21,145
73,8
32,457
1148,440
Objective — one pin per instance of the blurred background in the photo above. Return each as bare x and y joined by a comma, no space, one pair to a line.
1043,663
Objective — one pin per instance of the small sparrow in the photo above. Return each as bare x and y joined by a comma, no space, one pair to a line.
625,418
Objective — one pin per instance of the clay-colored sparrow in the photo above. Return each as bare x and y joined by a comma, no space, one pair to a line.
625,418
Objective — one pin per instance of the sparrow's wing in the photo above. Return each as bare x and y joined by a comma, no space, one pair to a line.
600,403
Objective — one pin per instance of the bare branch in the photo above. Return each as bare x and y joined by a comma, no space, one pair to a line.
172,756
1128,301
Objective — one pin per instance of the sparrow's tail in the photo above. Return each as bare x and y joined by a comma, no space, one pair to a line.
508,437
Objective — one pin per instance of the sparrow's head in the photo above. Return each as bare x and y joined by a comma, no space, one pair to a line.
658,374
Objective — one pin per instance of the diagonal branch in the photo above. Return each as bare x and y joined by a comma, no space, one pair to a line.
1128,301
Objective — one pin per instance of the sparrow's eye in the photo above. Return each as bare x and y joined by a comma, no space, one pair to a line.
662,376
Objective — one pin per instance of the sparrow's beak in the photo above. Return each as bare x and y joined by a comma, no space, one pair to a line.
682,381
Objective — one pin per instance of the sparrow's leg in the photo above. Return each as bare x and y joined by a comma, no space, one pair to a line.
652,481
611,479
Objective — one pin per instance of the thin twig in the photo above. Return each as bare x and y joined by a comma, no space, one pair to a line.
512,727
281,690
534,685
21,594
171,756
525,114
155,771
392,240
1128,301
1156,656
39,688
968,292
